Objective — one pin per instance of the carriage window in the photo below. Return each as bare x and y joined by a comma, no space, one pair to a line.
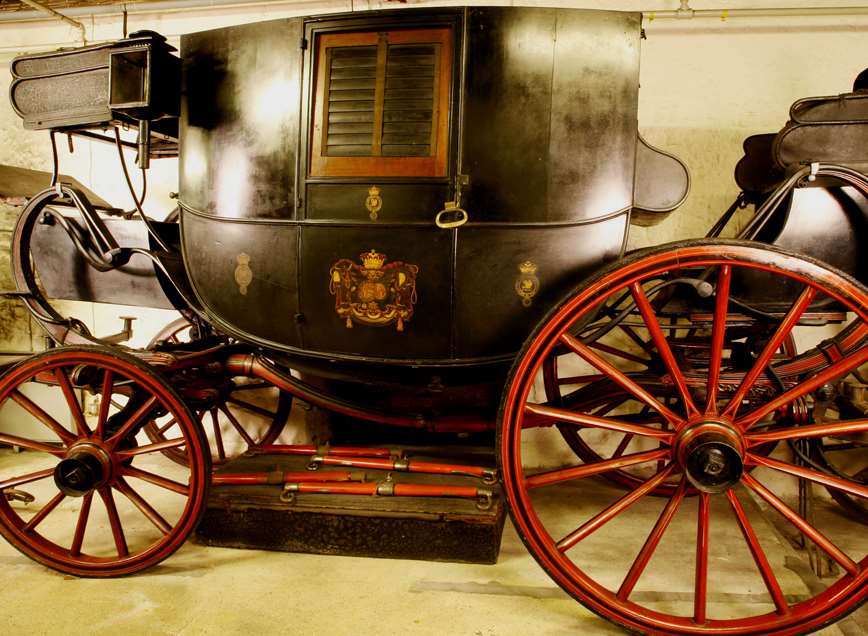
382,103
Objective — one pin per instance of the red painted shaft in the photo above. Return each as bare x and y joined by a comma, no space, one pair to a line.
424,490
281,477
310,449
404,465
336,489
389,489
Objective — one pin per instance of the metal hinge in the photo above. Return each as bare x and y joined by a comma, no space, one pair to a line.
461,182
303,44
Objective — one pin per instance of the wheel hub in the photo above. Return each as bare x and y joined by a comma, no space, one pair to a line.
712,455
85,467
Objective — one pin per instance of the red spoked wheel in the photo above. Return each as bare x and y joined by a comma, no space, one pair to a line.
674,564
106,502
237,414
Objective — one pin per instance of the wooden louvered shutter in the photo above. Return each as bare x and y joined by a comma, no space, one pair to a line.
382,103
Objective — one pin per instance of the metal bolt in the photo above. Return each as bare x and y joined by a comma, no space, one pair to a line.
76,476
715,462
826,392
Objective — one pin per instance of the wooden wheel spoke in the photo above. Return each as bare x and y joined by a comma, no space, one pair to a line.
578,472
833,371
810,474
622,445
631,333
114,522
146,509
14,440
615,374
163,482
36,411
72,402
218,436
165,427
663,348
833,429
132,424
626,355
651,543
839,446
13,482
700,578
81,525
104,402
721,309
580,379
601,518
583,419
46,510
253,408
240,429
784,328
803,526
152,448
609,406
759,556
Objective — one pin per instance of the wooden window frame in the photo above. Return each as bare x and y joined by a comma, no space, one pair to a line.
434,165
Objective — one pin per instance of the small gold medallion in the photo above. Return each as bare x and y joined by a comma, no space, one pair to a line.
374,202
526,283
243,273
373,293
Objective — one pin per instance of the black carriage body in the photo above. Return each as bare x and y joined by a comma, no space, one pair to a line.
537,144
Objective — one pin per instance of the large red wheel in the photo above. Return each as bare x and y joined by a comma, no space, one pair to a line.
237,414
106,501
665,565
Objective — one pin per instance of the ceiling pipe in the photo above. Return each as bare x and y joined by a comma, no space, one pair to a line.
173,6
56,14
686,12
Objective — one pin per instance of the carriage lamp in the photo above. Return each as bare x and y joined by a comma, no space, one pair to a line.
134,91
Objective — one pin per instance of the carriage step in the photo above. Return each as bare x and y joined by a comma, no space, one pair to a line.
419,516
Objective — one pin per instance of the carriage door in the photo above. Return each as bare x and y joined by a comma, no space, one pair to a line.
377,273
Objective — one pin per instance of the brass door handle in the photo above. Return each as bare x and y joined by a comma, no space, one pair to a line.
451,216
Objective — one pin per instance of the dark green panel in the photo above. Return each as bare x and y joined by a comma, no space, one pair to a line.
595,92
550,121
510,54
240,118
268,306
490,317
398,201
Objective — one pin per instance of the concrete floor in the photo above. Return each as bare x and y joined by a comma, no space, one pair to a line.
202,590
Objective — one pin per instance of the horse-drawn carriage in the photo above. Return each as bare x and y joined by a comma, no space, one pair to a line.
419,219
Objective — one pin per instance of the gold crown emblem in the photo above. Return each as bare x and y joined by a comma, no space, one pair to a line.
373,191
528,267
372,259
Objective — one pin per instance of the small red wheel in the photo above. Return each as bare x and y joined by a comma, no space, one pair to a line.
707,435
237,414
107,502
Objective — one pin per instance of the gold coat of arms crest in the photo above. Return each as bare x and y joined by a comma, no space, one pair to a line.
374,293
